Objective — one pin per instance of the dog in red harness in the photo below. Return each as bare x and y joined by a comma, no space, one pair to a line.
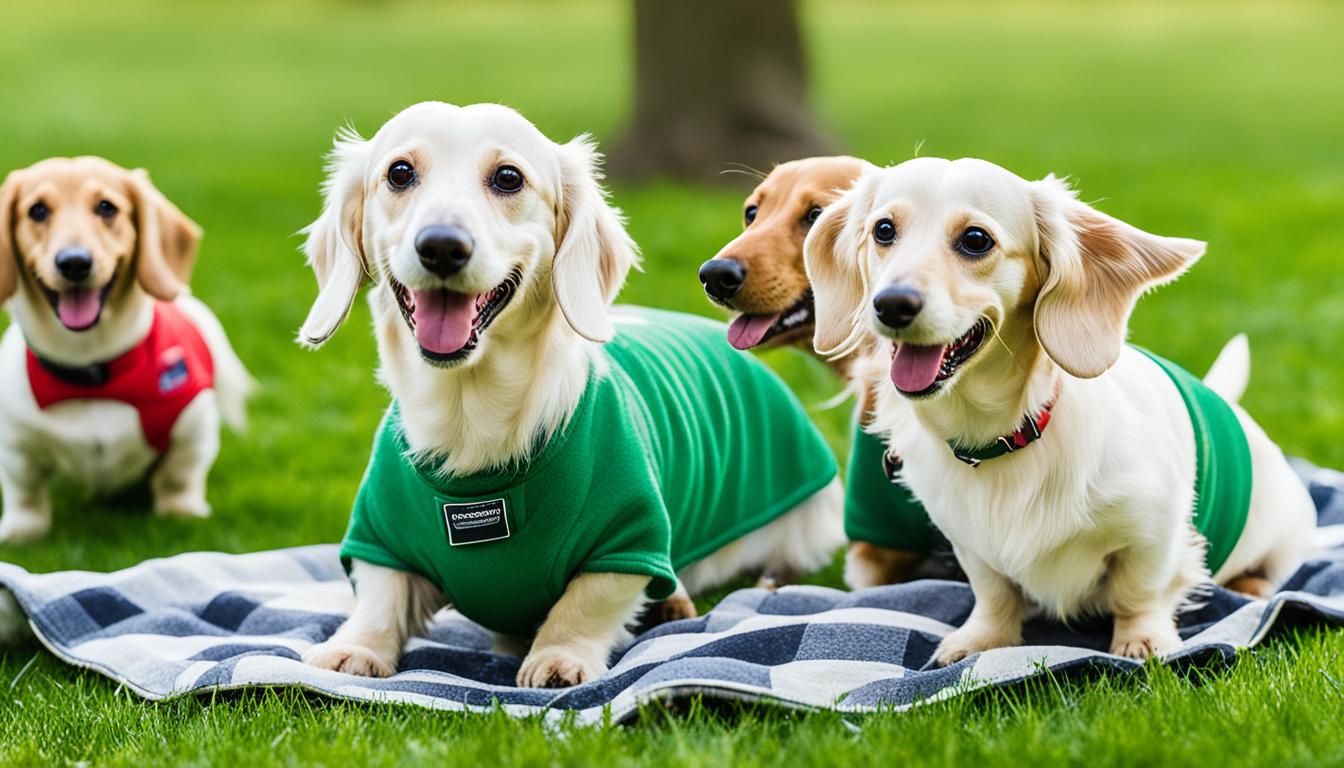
110,370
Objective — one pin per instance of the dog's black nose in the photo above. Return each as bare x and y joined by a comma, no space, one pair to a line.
74,264
723,278
444,249
897,307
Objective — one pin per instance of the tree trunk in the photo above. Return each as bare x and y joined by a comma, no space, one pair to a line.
717,83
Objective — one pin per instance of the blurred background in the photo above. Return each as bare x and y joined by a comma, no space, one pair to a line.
1215,120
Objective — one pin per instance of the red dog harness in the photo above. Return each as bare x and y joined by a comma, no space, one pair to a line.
159,377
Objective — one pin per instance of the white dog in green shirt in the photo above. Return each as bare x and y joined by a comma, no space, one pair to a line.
547,464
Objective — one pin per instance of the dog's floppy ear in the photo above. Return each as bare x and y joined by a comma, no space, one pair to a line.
9,254
838,273
335,244
593,252
1098,266
166,240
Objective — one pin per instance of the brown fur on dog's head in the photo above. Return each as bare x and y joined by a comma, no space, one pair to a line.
129,229
777,216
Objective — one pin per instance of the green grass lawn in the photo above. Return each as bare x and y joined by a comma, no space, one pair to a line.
1217,121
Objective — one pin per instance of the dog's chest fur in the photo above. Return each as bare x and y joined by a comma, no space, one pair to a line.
100,443
1041,529
1110,472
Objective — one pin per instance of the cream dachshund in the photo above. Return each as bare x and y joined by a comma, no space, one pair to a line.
548,464
1070,472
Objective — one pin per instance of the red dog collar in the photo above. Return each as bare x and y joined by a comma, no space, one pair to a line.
1029,432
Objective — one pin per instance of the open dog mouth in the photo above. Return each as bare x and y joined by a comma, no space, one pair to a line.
80,308
448,325
747,331
920,371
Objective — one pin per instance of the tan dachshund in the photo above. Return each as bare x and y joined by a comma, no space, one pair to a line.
111,371
760,276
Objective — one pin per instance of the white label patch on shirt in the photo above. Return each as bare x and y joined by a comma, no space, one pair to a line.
477,522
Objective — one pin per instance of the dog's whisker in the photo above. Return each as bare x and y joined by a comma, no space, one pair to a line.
752,173
994,333
751,168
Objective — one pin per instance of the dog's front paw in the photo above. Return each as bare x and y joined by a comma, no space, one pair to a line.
18,526
558,666
675,608
1138,640
972,639
185,505
868,565
1256,587
348,658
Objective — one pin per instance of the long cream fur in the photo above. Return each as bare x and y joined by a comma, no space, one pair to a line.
527,376
1095,516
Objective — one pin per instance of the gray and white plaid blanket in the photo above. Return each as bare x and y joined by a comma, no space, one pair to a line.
206,621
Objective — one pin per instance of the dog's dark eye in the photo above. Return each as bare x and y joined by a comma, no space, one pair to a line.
400,175
105,209
507,179
749,214
975,242
813,214
39,212
884,232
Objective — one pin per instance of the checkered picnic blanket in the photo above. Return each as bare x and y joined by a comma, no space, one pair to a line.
207,621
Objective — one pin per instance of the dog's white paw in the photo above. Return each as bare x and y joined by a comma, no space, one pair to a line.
184,505
972,639
18,526
558,666
348,658
1141,639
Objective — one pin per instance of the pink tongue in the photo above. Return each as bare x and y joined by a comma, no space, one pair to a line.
443,320
78,308
747,331
914,369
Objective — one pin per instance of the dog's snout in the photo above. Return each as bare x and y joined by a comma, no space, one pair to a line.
444,249
723,278
74,264
898,306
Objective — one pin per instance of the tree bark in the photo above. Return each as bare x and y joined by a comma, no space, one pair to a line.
717,83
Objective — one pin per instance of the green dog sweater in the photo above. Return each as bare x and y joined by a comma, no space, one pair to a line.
885,513
878,510
681,446
1222,463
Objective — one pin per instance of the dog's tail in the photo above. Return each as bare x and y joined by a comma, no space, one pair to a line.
233,386
1231,372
